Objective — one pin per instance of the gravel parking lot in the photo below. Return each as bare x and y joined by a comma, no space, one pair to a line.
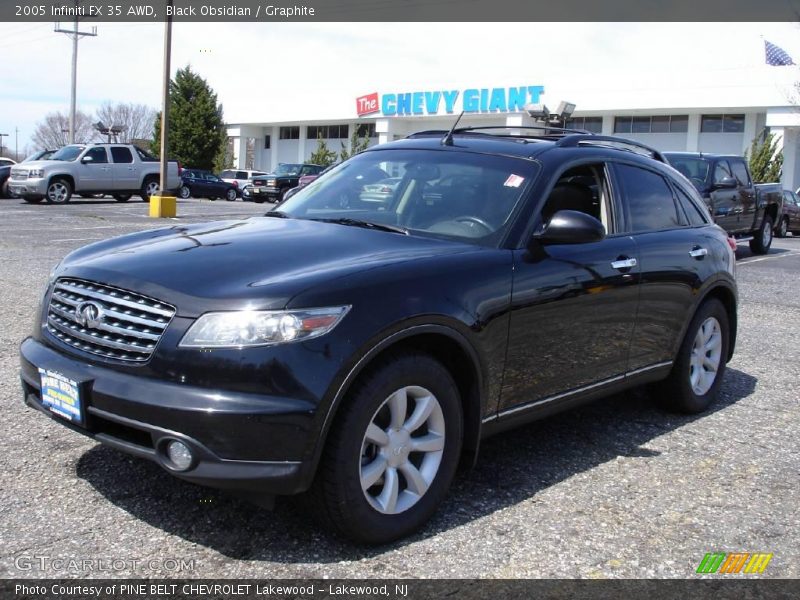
614,489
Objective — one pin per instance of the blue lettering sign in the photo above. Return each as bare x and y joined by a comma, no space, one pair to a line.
484,100
417,100
404,104
471,100
535,92
388,105
517,99
498,100
432,102
450,100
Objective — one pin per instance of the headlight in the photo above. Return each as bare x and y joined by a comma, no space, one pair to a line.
261,328
35,173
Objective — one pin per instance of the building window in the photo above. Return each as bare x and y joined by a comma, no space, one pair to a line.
367,130
290,133
652,124
267,142
592,124
722,124
326,132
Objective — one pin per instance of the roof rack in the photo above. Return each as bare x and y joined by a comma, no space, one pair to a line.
573,141
550,131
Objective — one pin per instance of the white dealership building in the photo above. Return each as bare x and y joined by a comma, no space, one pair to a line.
706,118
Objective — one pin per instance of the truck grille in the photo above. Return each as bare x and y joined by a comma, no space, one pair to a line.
106,321
19,174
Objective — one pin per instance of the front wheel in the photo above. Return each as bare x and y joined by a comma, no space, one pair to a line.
59,191
231,195
184,192
392,452
763,239
700,365
783,228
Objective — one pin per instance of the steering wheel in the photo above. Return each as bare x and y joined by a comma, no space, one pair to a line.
475,221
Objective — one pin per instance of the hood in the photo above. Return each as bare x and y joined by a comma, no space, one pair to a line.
40,164
258,263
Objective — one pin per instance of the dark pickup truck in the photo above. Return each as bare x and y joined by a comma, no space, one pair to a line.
747,211
273,186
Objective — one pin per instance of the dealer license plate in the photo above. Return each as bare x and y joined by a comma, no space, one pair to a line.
62,396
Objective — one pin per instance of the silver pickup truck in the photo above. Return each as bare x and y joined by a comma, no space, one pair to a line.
120,170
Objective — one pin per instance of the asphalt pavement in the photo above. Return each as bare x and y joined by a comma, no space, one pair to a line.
614,489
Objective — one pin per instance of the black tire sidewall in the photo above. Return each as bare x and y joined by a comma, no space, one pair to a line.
362,522
783,228
679,394
188,192
227,195
757,243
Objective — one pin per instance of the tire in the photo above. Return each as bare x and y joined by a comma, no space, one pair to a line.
681,392
4,190
398,385
91,196
122,197
149,187
184,192
783,228
33,200
763,239
231,195
59,191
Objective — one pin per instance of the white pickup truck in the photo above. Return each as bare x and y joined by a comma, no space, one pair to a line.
120,170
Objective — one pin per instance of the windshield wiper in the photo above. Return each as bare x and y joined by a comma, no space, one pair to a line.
365,224
279,214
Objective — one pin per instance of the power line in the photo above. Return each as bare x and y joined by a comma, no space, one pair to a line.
75,34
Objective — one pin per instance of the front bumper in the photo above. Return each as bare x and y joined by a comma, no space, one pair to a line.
140,416
28,187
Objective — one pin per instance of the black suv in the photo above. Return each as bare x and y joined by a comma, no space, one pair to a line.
506,278
273,186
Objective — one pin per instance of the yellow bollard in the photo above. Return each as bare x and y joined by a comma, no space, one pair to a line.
163,206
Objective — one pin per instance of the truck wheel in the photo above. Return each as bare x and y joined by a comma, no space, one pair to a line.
149,187
700,365
184,192
392,451
59,191
783,227
231,195
122,197
763,239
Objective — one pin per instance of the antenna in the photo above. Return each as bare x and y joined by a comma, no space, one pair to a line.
447,140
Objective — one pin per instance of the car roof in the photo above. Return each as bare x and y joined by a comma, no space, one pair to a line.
522,142
699,155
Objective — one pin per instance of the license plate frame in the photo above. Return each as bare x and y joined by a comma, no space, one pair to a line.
63,396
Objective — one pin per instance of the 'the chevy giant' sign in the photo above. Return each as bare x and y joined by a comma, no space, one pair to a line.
472,100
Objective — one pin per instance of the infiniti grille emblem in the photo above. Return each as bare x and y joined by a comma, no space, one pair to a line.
89,314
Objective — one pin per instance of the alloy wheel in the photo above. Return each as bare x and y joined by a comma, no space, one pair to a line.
706,356
57,192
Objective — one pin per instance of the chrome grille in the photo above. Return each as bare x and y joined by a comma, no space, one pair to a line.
19,174
128,329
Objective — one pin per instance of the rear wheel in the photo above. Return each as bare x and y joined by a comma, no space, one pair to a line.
59,191
700,366
763,239
783,227
184,192
150,187
231,195
392,452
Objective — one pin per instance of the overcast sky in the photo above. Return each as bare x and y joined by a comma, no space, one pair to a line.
266,72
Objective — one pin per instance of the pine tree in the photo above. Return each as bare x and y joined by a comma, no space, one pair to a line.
357,144
766,160
322,156
196,127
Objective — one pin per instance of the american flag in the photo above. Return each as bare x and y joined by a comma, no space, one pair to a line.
776,56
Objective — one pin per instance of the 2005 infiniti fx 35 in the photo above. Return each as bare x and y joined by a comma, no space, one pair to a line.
358,341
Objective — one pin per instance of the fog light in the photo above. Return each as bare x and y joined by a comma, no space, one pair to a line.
179,455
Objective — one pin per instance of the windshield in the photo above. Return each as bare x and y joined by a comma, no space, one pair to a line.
68,153
453,195
284,169
695,169
40,155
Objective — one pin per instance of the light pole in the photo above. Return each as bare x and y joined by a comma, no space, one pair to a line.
165,97
2,135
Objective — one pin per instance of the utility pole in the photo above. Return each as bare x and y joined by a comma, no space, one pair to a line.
76,35
165,100
16,143
2,135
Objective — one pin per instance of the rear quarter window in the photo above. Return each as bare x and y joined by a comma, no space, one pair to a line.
695,211
648,198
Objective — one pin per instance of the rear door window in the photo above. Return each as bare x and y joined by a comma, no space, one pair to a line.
648,199
120,154
740,172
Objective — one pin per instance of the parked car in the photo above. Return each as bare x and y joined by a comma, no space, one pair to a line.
789,220
204,184
377,346
380,192
304,180
240,178
7,162
274,186
120,170
5,172
746,211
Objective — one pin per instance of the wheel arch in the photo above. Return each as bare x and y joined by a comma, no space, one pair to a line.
65,176
727,297
443,343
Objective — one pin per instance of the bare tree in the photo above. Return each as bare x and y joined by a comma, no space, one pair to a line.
136,119
53,131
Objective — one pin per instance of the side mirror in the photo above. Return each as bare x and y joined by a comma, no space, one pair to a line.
571,227
726,183
87,159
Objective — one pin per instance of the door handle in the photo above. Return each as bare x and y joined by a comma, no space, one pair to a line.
624,263
698,252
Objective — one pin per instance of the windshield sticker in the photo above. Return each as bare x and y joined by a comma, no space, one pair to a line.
514,181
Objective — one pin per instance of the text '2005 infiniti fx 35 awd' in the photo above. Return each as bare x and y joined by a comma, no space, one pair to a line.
355,348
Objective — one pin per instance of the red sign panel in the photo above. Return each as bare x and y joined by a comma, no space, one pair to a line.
367,104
